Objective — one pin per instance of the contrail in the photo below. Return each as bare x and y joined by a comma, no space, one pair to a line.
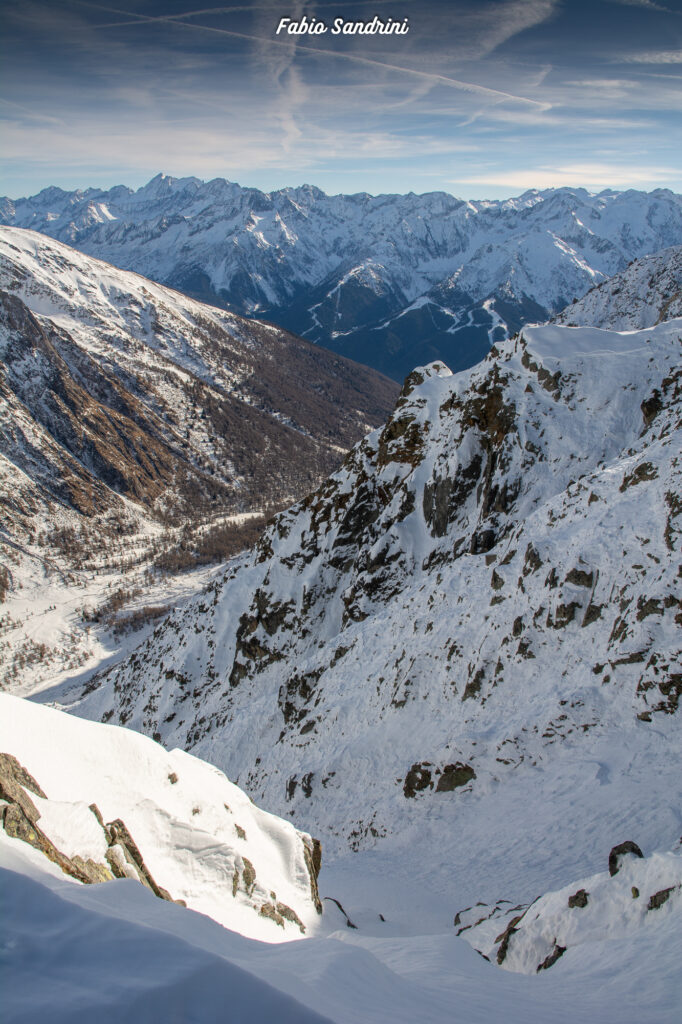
453,83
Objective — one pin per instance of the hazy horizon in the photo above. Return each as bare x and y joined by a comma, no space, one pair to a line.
135,187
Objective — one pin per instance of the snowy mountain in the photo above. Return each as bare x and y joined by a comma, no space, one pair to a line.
474,620
174,824
393,281
646,293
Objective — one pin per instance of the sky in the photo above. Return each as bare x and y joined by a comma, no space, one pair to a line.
480,98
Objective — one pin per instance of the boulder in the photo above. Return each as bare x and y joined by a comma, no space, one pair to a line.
618,852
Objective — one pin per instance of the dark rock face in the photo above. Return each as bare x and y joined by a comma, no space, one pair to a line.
453,776
662,896
504,938
550,960
578,899
119,836
417,779
9,764
620,851
14,780
18,825
313,860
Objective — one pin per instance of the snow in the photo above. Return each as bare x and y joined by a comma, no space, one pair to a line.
80,957
550,342
643,895
560,710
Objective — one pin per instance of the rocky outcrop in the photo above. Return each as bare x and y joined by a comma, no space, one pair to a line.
579,899
312,849
605,907
622,850
19,818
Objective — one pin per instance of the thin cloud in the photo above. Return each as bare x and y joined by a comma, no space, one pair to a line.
652,57
646,4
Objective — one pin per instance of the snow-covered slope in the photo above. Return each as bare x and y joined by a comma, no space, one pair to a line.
474,620
391,280
648,292
200,838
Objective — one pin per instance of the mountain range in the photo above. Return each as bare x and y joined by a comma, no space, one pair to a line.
393,281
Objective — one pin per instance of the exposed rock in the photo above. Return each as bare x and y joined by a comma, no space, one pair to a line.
454,775
10,765
269,910
13,779
661,897
313,858
289,915
18,825
651,407
249,876
120,836
496,581
580,578
95,872
550,960
349,923
417,779
578,899
504,938
620,851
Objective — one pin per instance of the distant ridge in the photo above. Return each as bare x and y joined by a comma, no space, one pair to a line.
393,281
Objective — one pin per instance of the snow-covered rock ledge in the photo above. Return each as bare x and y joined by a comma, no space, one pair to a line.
101,802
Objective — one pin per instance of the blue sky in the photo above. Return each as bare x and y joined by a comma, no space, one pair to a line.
482,98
